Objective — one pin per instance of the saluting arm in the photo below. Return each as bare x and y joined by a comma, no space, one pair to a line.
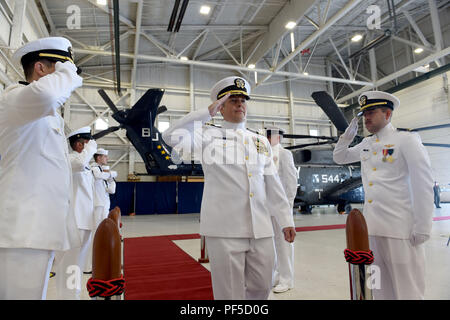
185,128
81,160
342,154
40,98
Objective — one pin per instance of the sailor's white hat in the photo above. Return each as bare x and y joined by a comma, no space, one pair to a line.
232,85
375,99
102,151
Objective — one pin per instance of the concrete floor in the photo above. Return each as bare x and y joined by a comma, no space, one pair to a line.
321,272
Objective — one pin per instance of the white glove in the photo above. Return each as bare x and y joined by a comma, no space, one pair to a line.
113,174
217,105
70,68
418,238
351,130
91,146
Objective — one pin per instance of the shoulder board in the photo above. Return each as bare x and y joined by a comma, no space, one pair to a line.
370,135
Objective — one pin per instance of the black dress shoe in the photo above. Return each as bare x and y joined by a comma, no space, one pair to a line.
87,272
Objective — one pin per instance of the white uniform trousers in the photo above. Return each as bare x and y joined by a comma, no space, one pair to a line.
100,213
401,269
283,272
69,269
24,273
241,268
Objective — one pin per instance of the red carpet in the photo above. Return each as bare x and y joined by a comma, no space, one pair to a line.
155,268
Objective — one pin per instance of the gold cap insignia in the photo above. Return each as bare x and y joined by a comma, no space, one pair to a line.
362,100
239,83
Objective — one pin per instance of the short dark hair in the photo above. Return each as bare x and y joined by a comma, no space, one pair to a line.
28,67
96,156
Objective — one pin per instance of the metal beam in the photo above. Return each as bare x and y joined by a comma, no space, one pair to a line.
137,36
399,73
347,8
434,14
229,45
106,46
122,19
292,11
20,7
221,66
416,29
202,34
44,7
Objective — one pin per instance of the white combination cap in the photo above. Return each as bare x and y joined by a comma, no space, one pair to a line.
232,85
370,100
84,132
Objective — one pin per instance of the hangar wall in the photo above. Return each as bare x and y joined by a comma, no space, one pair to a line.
427,104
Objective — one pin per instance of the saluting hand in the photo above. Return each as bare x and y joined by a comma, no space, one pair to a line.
217,105
351,130
289,234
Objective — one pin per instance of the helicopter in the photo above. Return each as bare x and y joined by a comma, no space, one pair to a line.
320,180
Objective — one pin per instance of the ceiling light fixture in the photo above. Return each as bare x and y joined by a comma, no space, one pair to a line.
184,58
290,25
357,37
418,50
205,10
251,66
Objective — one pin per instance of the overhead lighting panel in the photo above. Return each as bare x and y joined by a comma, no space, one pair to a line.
205,10
290,25
356,38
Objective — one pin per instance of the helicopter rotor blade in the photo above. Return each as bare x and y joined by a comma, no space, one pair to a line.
331,109
307,145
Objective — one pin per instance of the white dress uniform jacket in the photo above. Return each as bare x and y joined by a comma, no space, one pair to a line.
35,180
397,179
239,195
104,185
83,182
284,162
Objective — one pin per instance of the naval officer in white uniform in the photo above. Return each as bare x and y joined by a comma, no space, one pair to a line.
241,192
283,278
83,148
104,185
35,179
398,186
